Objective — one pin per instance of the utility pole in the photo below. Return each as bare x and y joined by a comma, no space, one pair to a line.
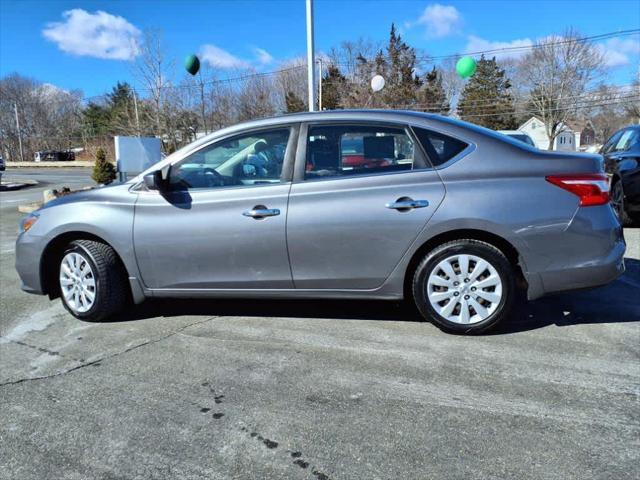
204,117
319,84
15,109
135,108
311,83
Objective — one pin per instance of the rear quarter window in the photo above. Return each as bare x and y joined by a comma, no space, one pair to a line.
439,148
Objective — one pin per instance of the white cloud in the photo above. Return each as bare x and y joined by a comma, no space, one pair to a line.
439,20
617,51
263,57
217,57
220,58
98,34
477,44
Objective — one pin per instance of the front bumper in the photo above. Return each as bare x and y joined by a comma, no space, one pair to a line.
28,254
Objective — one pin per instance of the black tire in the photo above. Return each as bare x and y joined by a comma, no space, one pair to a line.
111,290
479,249
618,203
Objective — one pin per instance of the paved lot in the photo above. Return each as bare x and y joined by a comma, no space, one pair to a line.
317,390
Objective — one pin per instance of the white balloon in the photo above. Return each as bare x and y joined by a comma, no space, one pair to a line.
377,83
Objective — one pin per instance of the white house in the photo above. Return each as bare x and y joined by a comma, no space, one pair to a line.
567,139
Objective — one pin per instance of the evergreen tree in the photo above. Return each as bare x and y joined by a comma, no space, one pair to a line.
294,103
432,97
97,119
103,171
333,86
486,99
121,107
398,67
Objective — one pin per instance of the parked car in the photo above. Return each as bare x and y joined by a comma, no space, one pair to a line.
518,135
54,156
3,166
622,162
455,220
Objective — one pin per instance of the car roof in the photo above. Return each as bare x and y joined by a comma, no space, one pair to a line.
512,132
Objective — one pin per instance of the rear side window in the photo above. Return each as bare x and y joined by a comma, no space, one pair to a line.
439,148
347,150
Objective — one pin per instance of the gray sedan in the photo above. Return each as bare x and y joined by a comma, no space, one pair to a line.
343,204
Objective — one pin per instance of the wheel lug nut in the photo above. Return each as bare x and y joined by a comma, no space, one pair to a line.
466,280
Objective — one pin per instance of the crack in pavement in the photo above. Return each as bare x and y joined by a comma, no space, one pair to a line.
107,357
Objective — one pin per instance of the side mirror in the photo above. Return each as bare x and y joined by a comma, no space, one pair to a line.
154,181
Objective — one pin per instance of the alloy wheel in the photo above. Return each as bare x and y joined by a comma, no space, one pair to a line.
77,282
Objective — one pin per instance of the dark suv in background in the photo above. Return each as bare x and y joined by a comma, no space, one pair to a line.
622,161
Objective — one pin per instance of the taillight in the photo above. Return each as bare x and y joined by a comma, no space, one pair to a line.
593,189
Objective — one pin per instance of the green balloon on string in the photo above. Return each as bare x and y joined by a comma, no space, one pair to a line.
466,67
192,64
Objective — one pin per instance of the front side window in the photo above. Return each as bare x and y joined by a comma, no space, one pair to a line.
439,148
252,159
346,150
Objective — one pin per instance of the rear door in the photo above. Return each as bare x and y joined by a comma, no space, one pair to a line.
361,194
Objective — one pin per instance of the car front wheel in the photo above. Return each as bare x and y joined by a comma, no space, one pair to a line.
464,286
91,280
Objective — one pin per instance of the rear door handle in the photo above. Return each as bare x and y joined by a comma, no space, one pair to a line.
260,211
407,204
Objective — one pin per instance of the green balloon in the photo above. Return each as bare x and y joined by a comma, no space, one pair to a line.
192,64
466,67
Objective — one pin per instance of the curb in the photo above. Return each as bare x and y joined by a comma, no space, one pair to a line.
76,164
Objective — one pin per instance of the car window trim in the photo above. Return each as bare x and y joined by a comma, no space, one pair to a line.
287,166
303,135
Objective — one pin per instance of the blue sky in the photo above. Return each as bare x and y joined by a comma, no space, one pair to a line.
39,40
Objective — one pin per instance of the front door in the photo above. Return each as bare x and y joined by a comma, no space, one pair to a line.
362,197
221,224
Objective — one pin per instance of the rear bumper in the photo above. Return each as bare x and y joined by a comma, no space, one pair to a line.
590,254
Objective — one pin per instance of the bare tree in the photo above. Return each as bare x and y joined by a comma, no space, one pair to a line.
291,81
452,83
633,107
49,117
557,72
256,98
153,71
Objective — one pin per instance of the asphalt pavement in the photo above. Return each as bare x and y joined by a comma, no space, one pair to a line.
47,178
316,390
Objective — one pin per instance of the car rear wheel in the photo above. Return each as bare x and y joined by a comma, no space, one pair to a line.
618,203
464,286
92,281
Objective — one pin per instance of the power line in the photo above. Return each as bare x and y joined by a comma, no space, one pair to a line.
533,46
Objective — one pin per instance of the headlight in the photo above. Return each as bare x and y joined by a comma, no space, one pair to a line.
28,221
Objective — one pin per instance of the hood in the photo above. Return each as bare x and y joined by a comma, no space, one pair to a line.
117,193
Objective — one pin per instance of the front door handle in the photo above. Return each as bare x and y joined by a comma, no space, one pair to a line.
405,204
260,211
